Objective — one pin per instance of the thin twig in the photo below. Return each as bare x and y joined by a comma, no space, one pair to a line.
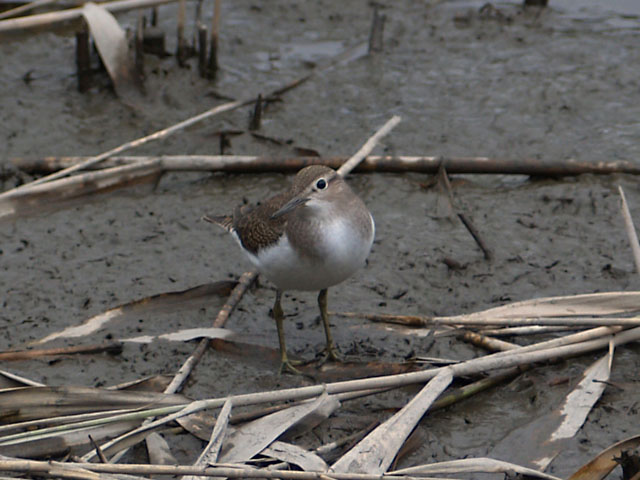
369,145
446,184
476,235
631,231
98,450
376,32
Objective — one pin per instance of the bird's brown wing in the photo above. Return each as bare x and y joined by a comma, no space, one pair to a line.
255,227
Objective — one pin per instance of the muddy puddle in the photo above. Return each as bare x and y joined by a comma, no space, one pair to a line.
551,84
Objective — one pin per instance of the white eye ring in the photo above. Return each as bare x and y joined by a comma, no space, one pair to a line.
321,184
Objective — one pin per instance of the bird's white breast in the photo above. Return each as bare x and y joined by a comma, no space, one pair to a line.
340,250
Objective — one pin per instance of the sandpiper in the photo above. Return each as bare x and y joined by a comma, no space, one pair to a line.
311,237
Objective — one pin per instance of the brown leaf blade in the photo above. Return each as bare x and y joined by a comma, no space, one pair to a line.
603,463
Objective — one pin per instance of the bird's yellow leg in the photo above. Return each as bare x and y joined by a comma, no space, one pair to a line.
330,349
285,364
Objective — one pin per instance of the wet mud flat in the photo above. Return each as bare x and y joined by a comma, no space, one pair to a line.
507,82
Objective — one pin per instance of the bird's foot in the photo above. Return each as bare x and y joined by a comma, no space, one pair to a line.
330,353
287,366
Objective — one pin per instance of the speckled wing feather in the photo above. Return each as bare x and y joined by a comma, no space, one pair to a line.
255,228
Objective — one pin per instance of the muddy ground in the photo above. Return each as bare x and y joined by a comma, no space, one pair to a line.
552,84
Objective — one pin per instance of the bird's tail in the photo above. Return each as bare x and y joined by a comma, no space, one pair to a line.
223,221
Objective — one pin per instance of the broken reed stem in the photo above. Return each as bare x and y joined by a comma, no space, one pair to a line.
139,48
369,145
631,231
446,185
372,163
476,236
202,50
469,367
197,23
181,52
83,59
109,347
256,116
212,65
99,452
376,32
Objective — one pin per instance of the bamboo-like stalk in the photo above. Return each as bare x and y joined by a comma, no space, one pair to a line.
55,18
372,163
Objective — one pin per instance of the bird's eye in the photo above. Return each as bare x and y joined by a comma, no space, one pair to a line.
321,184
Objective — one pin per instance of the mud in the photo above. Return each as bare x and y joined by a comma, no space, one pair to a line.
505,82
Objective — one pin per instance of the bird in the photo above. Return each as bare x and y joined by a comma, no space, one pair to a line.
310,237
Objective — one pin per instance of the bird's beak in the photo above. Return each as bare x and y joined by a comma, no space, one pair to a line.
290,205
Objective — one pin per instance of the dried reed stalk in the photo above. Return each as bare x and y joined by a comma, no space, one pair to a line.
372,163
